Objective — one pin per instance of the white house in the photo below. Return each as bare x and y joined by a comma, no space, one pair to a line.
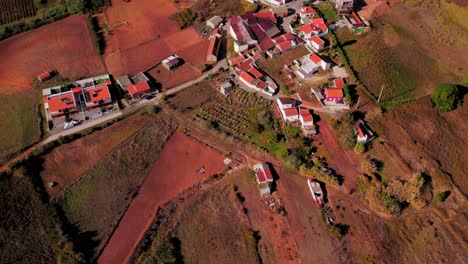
308,11
363,133
307,121
225,88
288,109
264,178
316,43
319,61
307,67
214,21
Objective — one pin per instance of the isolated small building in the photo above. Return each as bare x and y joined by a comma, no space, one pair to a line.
363,133
137,86
264,178
43,76
225,88
214,22
171,62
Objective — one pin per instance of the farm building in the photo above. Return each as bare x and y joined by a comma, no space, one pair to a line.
264,178
307,121
214,22
171,62
316,43
44,76
214,47
363,133
280,11
288,108
225,88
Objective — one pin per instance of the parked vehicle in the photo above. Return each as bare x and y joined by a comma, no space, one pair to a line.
316,191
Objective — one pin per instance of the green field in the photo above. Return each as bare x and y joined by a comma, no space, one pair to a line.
20,123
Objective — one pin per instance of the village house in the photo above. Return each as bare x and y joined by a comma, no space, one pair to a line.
137,86
264,178
288,109
214,22
225,88
316,26
307,121
363,133
267,14
316,43
254,79
171,62
310,64
214,46
307,11
97,96
280,11
315,58
334,95
59,104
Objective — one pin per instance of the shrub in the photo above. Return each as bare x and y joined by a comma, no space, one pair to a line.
441,197
316,173
447,97
359,148
369,166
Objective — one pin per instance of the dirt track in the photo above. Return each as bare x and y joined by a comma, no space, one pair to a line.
174,171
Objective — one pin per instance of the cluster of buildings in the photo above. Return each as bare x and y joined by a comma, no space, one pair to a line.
252,77
291,112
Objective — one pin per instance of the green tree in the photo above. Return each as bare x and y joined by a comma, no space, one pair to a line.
447,97
359,148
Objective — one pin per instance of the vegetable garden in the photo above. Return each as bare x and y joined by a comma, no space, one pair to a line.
13,10
225,117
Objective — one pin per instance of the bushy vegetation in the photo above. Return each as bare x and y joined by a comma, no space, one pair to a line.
317,174
345,130
359,148
441,197
185,18
447,97
369,166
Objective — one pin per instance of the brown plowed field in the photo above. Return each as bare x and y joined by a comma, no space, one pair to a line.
65,46
174,171
143,34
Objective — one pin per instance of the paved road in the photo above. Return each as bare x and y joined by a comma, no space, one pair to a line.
296,6
116,114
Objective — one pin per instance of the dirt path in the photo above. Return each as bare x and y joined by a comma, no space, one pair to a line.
174,171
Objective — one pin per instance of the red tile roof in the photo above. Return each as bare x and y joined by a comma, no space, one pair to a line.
315,58
307,10
246,77
305,28
338,83
290,112
262,85
323,27
237,60
285,45
44,76
257,74
77,89
267,14
317,40
141,87
318,21
359,131
246,65
213,48
333,92
258,31
61,101
286,100
99,93
267,43
305,114
235,20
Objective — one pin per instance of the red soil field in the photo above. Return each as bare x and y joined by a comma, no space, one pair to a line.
143,35
174,171
64,45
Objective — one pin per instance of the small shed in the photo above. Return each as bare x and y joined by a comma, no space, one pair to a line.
44,76
225,88
214,21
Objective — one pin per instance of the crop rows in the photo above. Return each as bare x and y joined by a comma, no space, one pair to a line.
249,99
13,10
229,118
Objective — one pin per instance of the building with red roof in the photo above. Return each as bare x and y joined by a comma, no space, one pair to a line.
338,83
288,108
307,121
43,76
308,11
214,46
97,96
363,133
255,73
316,26
136,86
264,178
246,77
266,14
316,43
316,59
334,95
60,104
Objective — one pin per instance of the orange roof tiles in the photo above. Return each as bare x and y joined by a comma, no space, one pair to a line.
268,14
317,40
141,87
44,76
305,114
307,10
333,92
290,112
285,45
99,93
247,77
315,58
338,83
61,101
237,60
256,73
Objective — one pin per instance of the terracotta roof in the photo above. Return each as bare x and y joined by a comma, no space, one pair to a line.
315,58
141,87
285,45
359,131
235,20
323,27
255,73
237,60
338,83
213,48
305,114
246,65
307,10
317,40
260,176
77,89
61,101
290,112
333,92
44,76
318,21
267,43
98,93
267,14
247,77
287,100
284,37
262,85
258,31
305,28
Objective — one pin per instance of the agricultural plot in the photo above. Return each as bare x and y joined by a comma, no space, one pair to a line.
97,202
13,10
227,118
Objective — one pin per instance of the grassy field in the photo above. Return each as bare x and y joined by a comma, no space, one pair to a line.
408,52
327,11
20,125
22,235
101,197
273,66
